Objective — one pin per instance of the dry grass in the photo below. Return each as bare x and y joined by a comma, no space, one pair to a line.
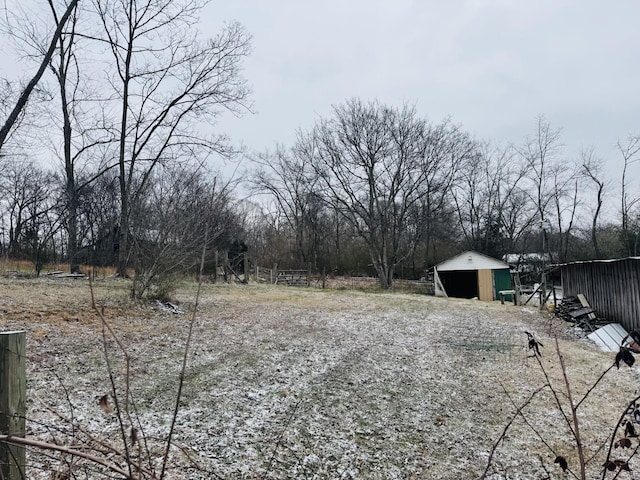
304,383
25,268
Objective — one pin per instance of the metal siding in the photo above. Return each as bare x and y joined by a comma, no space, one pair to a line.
610,337
634,294
635,313
612,288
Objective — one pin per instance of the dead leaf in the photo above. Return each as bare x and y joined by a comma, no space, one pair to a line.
560,460
103,403
534,344
622,465
629,430
624,355
623,443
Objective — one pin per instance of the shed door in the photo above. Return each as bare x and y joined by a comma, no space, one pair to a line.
460,283
485,285
502,281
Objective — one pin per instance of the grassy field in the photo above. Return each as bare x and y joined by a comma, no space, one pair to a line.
307,383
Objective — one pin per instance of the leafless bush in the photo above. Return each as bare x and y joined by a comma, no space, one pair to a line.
181,208
620,446
72,450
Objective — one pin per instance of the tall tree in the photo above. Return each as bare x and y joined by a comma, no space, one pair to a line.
170,87
592,169
447,150
83,127
566,201
62,68
487,197
374,163
541,153
290,181
13,116
76,128
630,152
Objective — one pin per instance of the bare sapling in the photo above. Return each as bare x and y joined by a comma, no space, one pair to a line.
622,443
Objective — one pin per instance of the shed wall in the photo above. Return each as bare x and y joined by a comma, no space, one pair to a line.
612,288
471,261
485,285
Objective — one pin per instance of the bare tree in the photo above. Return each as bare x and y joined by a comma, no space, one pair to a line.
84,132
447,150
592,169
630,151
290,181
24,96
566,200
541,153
552,189
61,69
377,166
488,201
15,192
269,243
169,86
77,131
29,202
180,210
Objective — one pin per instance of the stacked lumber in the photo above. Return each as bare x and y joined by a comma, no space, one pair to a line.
578,311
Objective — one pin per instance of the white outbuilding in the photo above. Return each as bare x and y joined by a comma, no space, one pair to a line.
472,275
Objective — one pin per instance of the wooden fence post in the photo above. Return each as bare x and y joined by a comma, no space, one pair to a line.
247,273
215,267
13,392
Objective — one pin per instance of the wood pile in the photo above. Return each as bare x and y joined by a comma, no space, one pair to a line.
578,311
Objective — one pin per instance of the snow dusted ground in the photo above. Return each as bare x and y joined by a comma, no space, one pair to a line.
302,383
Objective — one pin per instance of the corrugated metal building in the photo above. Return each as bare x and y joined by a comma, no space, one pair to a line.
612,287
472,275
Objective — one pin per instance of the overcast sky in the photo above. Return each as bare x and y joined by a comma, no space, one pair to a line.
493,66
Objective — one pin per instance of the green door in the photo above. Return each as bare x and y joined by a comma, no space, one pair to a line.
502,281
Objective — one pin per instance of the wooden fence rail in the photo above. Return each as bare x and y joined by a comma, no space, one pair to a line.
294,278
264,275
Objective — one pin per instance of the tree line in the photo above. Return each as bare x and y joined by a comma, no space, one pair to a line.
126,100
403,194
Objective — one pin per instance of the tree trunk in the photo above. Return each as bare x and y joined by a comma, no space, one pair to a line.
72,232
384,271
383,278
123,243
72,193
24,97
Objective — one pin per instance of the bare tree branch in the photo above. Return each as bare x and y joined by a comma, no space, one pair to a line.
24,97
